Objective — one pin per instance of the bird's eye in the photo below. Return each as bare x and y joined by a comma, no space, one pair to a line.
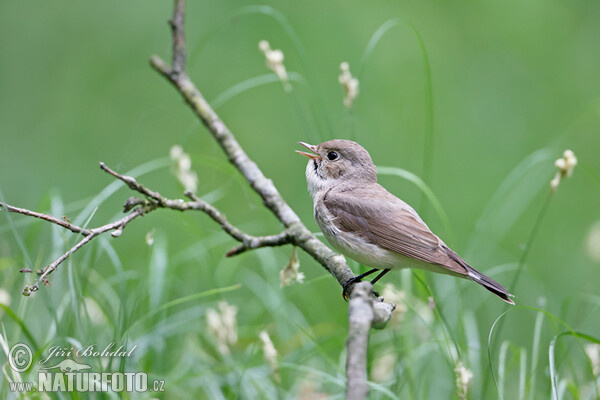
332,155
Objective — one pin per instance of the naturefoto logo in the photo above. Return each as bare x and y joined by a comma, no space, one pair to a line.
69,366
69,375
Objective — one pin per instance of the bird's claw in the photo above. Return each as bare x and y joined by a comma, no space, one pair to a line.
348,284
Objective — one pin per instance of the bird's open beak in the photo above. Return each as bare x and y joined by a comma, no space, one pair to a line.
311,148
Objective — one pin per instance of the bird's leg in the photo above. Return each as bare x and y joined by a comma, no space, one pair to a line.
378,277
357,278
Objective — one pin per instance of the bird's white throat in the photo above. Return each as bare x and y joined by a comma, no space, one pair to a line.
314,180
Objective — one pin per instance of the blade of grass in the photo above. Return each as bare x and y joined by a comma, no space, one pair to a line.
511,199
523,259
382,389
591,172
529,243
26,331
115,185
535,158
409,337
537,310
315,104
502,364
535,351
113,256
252,83
447,332
473,347
159,261
195,296
251,10
319,347
327,377
179,301
59,237
428,127
76,297
522,372
14,231
552,358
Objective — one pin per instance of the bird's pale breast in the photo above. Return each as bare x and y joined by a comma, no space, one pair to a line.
355,247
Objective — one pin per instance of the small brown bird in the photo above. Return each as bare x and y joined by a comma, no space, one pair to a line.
367,223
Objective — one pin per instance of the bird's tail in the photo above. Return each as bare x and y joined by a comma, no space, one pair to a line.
489,284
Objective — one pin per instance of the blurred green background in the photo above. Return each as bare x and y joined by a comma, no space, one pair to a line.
476,98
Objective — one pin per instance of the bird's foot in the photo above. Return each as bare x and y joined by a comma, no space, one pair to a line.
348,284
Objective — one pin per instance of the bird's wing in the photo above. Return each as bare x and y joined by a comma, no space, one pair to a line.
392,224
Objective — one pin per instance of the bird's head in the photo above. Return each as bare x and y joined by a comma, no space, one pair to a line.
335,162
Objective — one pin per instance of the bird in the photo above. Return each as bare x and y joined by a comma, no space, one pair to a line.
365,222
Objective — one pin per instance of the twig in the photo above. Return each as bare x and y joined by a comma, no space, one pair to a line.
116,226
45,217
248,241
254,242
176,24
133,185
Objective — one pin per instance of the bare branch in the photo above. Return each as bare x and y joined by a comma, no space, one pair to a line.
251,243
116,226
360,317
132,183
382,312
248,242
46,217
176,24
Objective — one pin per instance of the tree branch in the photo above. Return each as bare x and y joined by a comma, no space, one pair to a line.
248,241
116,226
360,318
45,217
176,24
